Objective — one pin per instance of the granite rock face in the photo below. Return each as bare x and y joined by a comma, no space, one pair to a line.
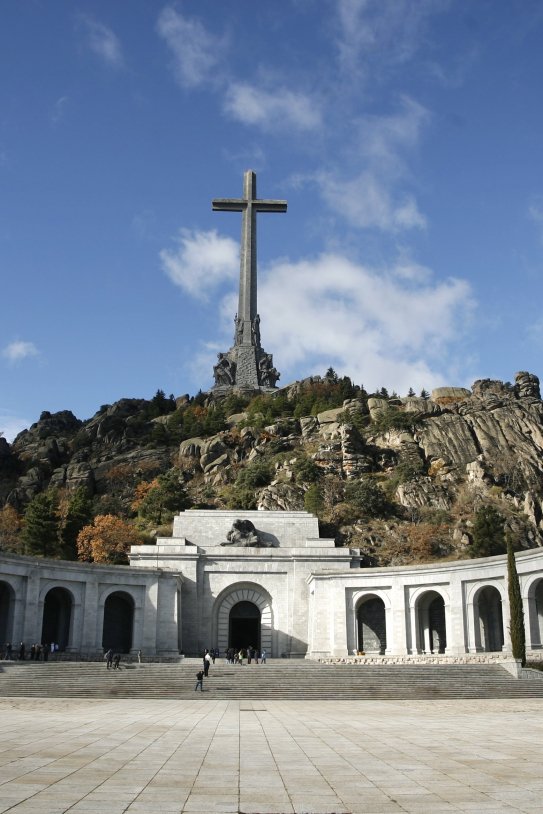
446,456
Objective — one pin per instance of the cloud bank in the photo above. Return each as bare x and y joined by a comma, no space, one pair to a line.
396,327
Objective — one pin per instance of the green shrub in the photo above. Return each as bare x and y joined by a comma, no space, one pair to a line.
314,499
367,498
394,419
305,470
488,533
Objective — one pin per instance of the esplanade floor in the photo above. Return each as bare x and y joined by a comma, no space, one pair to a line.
60,755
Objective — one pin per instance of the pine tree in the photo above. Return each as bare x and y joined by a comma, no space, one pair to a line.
516,611
488,533
78,513
41,525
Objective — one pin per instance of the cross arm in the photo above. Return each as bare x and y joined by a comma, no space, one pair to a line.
270,206
228,205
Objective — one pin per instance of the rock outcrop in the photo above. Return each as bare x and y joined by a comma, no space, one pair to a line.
444,455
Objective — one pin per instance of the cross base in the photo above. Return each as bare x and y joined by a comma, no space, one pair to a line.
245,368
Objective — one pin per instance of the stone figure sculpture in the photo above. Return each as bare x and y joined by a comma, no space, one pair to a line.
225,370
244,534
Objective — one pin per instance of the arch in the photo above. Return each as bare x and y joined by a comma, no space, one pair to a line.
431,622
535,613
371,619
487,606
118,627
57,617
7,606
254,595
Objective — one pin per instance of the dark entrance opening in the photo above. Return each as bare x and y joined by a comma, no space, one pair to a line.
438,630
57,613
7,596
372,632
244,626
118,622
490,619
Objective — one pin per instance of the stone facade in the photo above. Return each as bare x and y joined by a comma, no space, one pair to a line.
292,591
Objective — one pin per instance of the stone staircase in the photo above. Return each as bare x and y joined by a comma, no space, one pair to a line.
296,680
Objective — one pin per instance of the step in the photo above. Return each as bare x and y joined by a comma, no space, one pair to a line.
282,681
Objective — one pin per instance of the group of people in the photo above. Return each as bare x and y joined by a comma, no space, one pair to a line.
113,660
36,652
232,656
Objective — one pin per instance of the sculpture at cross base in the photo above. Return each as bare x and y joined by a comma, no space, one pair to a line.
246,366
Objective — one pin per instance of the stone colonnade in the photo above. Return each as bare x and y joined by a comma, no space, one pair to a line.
452,608
85,608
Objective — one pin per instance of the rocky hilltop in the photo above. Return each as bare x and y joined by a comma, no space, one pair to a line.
398,479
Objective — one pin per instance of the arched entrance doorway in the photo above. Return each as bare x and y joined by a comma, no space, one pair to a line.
372,632
57,617
118,622
244,626
432,627
7,602
251,617
489,619
538,597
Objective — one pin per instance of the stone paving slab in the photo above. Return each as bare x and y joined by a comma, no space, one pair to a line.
275,757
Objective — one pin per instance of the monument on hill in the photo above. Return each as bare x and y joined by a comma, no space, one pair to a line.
246,366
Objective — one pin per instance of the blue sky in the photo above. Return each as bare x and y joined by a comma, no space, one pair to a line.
407,137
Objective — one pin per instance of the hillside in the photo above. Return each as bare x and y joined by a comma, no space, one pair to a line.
402,479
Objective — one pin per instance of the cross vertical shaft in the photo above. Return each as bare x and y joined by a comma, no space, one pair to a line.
248,205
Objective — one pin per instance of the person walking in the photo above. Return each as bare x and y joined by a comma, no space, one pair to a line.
263,657
116,661
199,680
22,651
109,658
207,663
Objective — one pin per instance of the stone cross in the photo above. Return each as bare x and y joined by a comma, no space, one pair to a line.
249,205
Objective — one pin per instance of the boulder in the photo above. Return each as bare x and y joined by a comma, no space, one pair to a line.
416,404
449,395
281,497
235,419
329,416
423,493
190,448
527,385
376,406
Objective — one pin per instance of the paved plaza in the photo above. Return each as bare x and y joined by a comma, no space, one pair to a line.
60,755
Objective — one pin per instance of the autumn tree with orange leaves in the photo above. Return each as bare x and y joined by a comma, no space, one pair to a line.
107,540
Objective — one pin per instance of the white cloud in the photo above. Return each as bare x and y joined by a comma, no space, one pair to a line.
11,425
396,327
370,201
382,33
371,195
278,108
57,111
102,41
18,350
195,50
201,261
369,324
